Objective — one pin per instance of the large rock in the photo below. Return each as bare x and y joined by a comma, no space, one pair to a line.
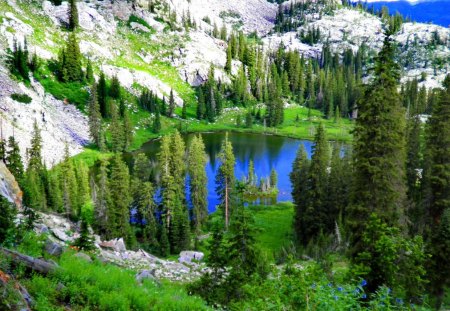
145,274
61,235
117,245
53,248
188,256
9,187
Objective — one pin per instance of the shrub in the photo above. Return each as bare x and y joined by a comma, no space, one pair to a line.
21,98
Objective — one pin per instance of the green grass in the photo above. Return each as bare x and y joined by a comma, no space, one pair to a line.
74,92
303,129
96,286
275,225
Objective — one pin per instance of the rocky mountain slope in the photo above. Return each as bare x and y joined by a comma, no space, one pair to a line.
153,50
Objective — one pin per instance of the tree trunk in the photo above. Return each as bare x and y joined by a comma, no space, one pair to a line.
35,264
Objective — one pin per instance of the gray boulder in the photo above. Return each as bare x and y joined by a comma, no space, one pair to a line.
53,248
188,256
145,274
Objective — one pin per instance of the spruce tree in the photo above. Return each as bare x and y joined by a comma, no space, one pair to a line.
315,215
201,109
156,127
184,111
14,159
102,201
228,64
95,117
102,93
299,177
379,149
72,69
73,15
171,110
437,200
89,72
198,181
114,88
225,179
119,213
7,224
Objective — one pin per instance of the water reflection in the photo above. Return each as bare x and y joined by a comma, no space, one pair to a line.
266,151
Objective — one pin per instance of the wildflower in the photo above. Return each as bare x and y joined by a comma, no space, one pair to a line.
339,289
356,291
330,285
313,286
399,301
364,296
363,283
336,298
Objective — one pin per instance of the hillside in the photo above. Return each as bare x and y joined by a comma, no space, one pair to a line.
154,51
228,155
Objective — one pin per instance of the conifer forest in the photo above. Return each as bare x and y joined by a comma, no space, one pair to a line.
223,155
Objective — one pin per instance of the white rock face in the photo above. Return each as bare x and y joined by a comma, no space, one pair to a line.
129,77
253,15
60,123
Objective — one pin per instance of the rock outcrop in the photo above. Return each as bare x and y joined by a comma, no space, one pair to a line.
9,187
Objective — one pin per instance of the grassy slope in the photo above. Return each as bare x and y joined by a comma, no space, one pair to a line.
275,225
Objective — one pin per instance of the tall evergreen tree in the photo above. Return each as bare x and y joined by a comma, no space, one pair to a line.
299,177
119,213
225,179
437,198
95,117
73,15
171,110
14,159
198,181
7,217
379,149
102,93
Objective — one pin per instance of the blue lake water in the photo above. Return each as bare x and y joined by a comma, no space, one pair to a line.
266,151
437,12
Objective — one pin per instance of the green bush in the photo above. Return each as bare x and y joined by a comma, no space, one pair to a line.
73,92
96,286
21,98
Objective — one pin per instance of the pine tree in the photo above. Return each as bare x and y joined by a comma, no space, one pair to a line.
119,213
102,93
437,175
299,177
273,179
156,127
225,179
171,110
95,117
89,72
198,181
114,88
71,66
102,201
73,15
85,242
69,187
7,224
117,132
379,149
228,64
14,159
315,215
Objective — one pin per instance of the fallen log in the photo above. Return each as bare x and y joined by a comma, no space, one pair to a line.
38,265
